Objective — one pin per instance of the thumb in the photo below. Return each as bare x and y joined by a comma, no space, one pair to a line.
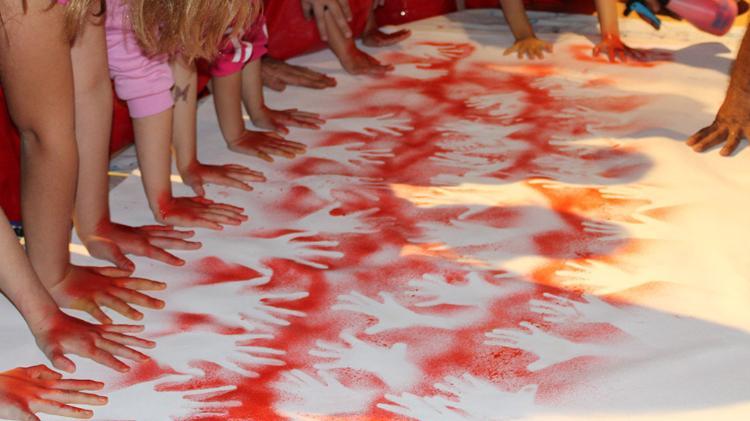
60,361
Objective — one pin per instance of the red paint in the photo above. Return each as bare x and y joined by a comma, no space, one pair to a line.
213,270
651,58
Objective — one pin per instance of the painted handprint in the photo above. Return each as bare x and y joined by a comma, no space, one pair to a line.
393,367
386,124
482,400
422,408
158,403
360,222
459,233
321,395
353,155
549,349
657,197
508,104
561,310
231,352
255,251
475,291
332,187
647,228
598,277
235,304
389,313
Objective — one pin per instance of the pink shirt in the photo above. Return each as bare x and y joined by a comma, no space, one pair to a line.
238,52
144,82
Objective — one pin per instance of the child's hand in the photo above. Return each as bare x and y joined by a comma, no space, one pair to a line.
230,175
112,242
613,47
198,212
532,47
265,144
89,288
60,334
29,390
357,62
378,38
278,120
277,75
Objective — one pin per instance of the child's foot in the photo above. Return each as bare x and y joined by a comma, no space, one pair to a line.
531,47
357,62
614,48
378,38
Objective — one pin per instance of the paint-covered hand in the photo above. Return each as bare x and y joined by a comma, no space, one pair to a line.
278,74
198,212
264,145
59,334
377,38
613,47
25,391
278,120
197,175
531,47
90,288
112,242
357,62
731,126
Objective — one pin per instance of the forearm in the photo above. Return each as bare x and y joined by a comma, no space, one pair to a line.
515,15
152,137
339,44
38,82
228,104
607,13
93,102
739,84
184,132
18,281
252,89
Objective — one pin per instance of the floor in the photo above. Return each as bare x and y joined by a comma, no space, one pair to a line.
472,237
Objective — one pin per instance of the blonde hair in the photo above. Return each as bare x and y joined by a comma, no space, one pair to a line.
77,11
193,28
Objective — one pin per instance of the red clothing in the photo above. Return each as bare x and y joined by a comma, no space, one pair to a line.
290,34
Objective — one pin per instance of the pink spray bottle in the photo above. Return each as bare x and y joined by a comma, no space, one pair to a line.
712,16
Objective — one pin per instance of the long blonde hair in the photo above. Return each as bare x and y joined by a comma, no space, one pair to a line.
193,28
77,11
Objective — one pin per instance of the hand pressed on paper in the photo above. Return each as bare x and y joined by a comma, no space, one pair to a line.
197,175
112,242
59,334
731,126
25,391
613,47
531,47
277,75
357,62
90,288
198,212
264,145
278,120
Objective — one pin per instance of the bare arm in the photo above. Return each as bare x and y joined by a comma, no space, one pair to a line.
515,14
228,102
186,105
732,123
606,10
38,81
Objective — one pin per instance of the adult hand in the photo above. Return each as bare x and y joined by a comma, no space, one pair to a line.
339,9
